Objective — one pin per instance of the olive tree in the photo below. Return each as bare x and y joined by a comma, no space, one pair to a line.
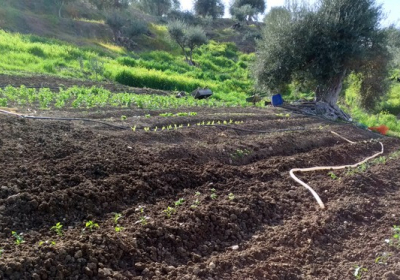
247,9
213,8
188,37
323,44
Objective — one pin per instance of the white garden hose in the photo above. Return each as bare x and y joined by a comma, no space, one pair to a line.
317,198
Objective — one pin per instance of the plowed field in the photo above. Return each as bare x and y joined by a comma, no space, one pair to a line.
234,213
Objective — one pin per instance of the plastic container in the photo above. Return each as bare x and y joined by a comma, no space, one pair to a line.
277,100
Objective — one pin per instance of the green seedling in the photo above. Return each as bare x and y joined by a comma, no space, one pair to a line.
169,211
118,229
123,118
117,216
383,259
359,271
363,167
147,129
57,229
239,153
133,128
333,175
91,225
143,220
231,196
197,194
18,238
147,115
195,203
396,236
52,243
179,202
213,194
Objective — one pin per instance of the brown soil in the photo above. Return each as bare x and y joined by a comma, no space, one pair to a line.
74,172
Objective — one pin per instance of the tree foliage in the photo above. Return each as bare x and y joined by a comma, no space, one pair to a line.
157,7
188,37
109,4
322,45
213,8
247,9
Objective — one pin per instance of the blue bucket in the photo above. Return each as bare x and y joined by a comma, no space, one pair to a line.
277,100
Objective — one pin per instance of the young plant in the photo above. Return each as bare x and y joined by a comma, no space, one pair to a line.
359,271
52,243
169,211
117,216
91,225
57,229
123,118
213,194
133,128
118,229
179,202
231,196
383,259
18,238
333,175
396,236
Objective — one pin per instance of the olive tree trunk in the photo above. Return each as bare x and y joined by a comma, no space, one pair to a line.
330,93
327,97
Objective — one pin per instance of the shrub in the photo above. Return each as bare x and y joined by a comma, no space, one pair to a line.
127,61
37,51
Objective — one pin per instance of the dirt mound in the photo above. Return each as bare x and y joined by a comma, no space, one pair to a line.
200,202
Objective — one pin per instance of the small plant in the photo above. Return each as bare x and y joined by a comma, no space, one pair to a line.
213,194
359,271
133,128
147,115
383,259
18,238
179,202
396,236
117,216
169,211
363,167
195,203
239,153
123,118
57,228
333,175
118,229
197,194
147,129
91,225
231,196
52,243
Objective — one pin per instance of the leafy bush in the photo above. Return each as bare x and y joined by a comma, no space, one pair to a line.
127,61
37,51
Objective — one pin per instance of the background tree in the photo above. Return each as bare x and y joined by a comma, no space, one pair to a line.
323,45
110,4
157,7
213,8
247,8
188,37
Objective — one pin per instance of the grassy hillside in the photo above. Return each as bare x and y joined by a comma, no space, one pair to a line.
221,67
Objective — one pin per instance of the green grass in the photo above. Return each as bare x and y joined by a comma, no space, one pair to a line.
385,112
95,97
220,67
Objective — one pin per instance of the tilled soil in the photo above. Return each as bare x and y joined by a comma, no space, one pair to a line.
242,216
